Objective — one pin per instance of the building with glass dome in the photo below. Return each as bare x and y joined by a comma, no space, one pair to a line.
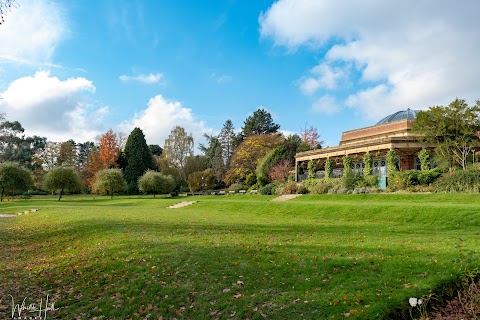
391,133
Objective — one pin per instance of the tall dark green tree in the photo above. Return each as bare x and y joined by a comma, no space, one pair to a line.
260,122
228,141
219,167
139,159
155,149
209,148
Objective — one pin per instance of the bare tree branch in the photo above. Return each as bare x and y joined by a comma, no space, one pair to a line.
6,6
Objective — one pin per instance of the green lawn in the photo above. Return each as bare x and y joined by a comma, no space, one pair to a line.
239,257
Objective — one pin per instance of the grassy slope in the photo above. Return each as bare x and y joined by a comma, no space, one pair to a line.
314,257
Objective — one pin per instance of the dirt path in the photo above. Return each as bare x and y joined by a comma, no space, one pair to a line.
7,215
182,204
286,197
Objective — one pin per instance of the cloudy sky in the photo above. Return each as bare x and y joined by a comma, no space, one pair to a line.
74,69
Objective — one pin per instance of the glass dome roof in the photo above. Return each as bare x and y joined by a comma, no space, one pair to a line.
399,115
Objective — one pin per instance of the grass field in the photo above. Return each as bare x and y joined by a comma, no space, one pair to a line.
239,257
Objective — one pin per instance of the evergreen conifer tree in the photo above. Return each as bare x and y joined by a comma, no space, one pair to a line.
139,159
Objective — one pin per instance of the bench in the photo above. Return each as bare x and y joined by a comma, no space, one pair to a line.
242,191
253,191
213,193
221,193
231,192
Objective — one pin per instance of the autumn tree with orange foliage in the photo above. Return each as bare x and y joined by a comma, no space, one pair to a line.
103,158
109,149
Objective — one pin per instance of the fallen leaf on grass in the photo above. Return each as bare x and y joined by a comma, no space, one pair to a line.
214,313
236,296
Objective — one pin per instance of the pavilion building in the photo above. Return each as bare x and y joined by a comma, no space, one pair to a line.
391,133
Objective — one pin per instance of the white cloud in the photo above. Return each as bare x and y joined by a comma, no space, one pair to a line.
324,77
161,116
143,78
287,133
57,109
326,105
32,31
401,54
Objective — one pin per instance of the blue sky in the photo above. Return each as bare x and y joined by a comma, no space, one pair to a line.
74,69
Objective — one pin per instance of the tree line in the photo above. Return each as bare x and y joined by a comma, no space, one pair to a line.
116,163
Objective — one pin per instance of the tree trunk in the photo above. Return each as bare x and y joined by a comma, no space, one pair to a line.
60,196
1,197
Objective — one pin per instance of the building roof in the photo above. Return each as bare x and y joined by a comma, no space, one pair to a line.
399,115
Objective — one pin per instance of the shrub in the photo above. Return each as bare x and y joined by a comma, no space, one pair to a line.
26,195
429,176
303,190
351,179
310,183
267,189
153,182
279,189
371,181
459,181
36,191
234,187
409,178
320,188
109,181
240,187
251,179
395,181
291,187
